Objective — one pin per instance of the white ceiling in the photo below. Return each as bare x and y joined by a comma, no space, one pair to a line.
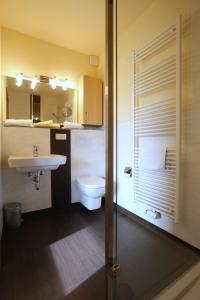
74,24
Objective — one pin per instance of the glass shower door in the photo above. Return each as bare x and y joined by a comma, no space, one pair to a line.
152,91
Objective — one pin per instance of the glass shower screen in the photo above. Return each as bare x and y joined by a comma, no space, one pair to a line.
153,161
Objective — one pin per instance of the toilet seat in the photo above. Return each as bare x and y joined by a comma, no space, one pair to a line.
91,182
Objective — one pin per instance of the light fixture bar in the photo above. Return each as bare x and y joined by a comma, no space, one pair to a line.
19,79
54,82
34,82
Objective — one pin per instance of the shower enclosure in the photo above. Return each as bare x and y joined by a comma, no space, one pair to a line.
152,135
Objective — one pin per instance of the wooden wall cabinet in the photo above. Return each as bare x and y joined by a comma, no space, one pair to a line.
90,101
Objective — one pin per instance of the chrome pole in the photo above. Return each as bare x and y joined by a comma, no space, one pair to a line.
109,130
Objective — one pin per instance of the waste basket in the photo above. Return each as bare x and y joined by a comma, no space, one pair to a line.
13,214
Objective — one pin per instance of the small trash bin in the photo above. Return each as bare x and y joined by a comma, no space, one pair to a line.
13,214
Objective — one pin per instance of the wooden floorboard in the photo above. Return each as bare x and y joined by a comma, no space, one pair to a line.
61,256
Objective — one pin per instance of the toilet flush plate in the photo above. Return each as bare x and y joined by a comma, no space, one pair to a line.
61,137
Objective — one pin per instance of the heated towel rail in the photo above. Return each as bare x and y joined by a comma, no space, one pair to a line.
158,190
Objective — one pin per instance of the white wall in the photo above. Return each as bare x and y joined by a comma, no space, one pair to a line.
17,186
159,15
87,156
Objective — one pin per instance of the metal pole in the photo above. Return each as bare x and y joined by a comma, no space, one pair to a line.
109,128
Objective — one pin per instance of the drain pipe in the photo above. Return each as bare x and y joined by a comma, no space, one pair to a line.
36,179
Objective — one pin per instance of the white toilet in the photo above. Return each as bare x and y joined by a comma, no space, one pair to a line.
92,189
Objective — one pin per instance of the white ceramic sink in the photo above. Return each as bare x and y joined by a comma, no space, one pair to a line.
36,163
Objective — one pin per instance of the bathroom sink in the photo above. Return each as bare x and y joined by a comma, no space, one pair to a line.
36,163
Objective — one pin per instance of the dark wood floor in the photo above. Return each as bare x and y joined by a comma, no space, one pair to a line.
61,256
55,257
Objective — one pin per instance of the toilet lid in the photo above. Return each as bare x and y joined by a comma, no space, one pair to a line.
92,181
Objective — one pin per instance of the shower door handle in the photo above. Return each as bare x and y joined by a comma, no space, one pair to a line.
128,170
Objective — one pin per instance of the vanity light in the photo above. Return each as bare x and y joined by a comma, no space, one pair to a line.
53,82
19,79
71,84
34,82
65,85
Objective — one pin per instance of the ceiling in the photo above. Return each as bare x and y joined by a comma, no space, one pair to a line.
74,24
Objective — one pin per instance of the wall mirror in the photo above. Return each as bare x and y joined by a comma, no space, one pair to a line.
41,104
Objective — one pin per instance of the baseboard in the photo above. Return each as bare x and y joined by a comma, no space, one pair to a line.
50,211
76,204
153,227
36,214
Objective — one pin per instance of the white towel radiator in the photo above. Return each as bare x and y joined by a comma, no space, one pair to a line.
157,116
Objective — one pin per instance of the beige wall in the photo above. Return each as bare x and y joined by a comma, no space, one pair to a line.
90,160
101,67
155,19
23,53
19,187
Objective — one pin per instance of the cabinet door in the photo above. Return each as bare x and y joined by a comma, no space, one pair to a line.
90,101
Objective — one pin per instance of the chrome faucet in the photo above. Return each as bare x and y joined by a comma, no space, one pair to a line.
35,150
